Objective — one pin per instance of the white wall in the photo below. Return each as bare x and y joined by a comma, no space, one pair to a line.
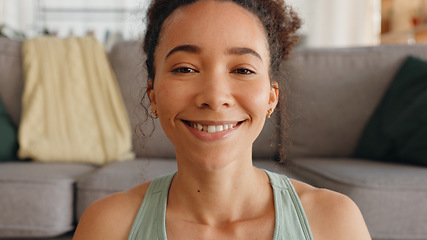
80,23
339,23
18,14
1,12
27,16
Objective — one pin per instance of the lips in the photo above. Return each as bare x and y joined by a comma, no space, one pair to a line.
212,127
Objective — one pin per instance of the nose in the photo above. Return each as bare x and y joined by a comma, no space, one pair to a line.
215,92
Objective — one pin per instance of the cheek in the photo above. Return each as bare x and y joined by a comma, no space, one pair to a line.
169,97
163,98
255,98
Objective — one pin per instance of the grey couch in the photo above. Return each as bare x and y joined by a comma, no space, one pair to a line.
334,92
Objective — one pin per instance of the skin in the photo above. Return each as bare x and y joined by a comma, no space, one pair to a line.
214,71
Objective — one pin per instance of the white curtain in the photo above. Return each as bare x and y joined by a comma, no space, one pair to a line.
339,23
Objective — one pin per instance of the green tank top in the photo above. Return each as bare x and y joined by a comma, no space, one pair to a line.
290,221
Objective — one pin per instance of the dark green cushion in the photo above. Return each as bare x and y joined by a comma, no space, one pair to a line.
8,136
397,131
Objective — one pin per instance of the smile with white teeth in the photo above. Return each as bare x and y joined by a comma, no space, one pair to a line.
212,128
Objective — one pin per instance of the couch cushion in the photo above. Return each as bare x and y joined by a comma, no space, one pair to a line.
127,60
11,83
8,136
383,192
266,145
397,131
333,92
37,199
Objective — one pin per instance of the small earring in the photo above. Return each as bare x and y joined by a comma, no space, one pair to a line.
155,114
269,112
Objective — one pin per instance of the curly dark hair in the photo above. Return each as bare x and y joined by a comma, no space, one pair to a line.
279,20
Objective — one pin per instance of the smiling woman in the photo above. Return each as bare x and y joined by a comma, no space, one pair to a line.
213,79
204,73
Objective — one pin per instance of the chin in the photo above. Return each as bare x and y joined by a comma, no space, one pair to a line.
213,160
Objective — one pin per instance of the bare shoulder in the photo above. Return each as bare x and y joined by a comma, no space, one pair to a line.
331,215
111,217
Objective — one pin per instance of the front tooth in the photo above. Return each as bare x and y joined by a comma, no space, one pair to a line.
219,128
211,129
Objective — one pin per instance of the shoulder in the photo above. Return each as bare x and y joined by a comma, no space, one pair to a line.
111,217
331,215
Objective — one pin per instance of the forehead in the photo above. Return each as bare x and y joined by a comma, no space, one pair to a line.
214,23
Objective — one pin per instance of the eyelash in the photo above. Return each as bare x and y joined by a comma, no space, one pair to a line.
184,70
243,71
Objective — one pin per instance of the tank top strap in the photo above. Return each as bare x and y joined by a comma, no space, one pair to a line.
150,222
291,221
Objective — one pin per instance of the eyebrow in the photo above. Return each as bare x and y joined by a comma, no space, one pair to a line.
231,51
243,51
184,48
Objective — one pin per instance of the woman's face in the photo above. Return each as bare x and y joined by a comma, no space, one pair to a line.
212,89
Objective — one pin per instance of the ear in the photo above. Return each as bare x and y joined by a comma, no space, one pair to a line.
274,95
151,95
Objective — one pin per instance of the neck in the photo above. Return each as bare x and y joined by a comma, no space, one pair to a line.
235,192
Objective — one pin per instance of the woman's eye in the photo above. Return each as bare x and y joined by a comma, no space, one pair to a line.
243,71
184,70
